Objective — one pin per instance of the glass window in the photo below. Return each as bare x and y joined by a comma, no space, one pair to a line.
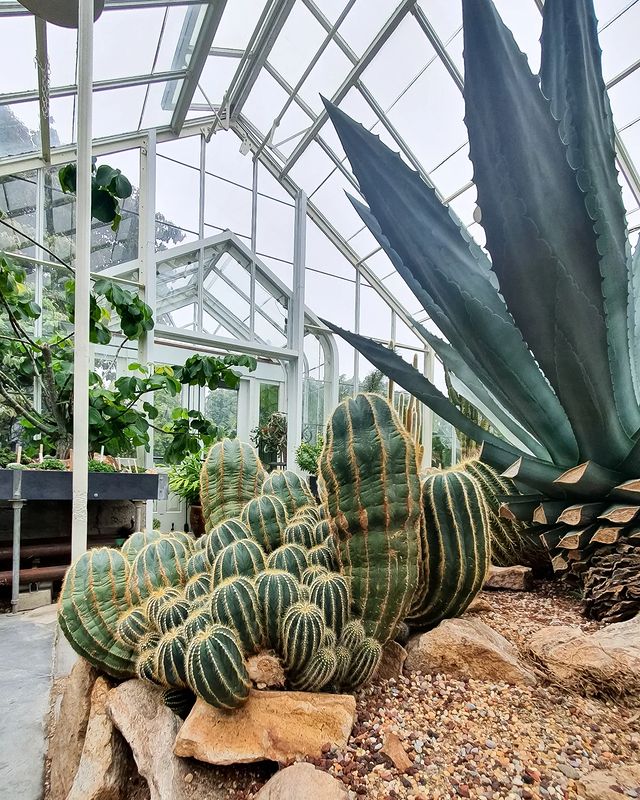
221,406
269,401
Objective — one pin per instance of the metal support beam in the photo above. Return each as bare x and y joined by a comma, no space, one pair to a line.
81,360
147,269
198,59
370,53
42,64
295,333
205,341
256,53
438,45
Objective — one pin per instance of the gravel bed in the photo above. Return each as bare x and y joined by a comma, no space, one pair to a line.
482,740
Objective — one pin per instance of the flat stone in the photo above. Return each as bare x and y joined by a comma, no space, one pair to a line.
393,748
605,662
479,605
106,764
28,601
514,579
393,657
467,648
150,728
302,782
277,726
599,785
67,739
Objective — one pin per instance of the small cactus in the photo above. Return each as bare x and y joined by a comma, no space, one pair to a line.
311,573
198,620
324,555
353,634
161,564
216,670
277,590
302,532
266,518
169,663
132,627
244,557
318,672
289,557
198,586
290,488
198,564
224,534
303,631
364,663
330,592
172,614
180,701
157,600
134,543
235,603
343,661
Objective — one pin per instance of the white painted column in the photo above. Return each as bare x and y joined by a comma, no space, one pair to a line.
295,332
81,361
147,270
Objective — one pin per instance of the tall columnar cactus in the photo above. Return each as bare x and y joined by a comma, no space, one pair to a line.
458,547
302,634
231,475
161,564
266,518
244,557
330,592
512,541
277,590
369,478
235,603
95,595
216,670
290,488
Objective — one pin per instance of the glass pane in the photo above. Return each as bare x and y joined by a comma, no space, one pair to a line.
619,42
178,191
238,22
19,129
119,50
227,206
445,16
363,22
269,397
298,41
17,60
18,206
324,79
221,407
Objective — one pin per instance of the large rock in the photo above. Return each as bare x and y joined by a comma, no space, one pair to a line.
106,766
514,579
278,726
150,728
611,785
467,648
393,657
302,782
67,738
605,662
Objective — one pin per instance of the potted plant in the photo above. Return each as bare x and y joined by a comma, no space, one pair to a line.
307,456
184,480
270,440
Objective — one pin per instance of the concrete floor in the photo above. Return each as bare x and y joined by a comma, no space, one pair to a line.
31,655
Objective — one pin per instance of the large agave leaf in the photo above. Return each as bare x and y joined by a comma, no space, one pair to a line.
420,387
451,277
634,318
540,236
571,77
475,391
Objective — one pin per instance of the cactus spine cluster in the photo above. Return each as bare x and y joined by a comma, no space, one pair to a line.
322,587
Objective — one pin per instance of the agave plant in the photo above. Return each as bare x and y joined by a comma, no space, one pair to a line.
544,336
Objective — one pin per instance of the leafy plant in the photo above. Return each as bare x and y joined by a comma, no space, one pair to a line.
53,464
271,438
100,466
544,337
108,187
184,478
307,456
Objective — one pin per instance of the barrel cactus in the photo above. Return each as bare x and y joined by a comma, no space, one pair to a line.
231,475
290,557
277,590
216,670
266,518
457,547
292,490
302,633
234,603
244,557
161,564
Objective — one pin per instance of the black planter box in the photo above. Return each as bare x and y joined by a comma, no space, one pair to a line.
34,484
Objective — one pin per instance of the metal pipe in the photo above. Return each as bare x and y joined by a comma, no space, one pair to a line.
254,247
16,503
82,290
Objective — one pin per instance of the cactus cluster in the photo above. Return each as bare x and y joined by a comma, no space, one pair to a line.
323,587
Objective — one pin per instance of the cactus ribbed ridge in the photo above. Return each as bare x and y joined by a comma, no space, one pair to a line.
376,512
180,701
458,547
134,543
364,663
276,590
132,627
303,631
161,564
289,557
231,475
330,592
198,586
317,673
224,534
311,573
169,660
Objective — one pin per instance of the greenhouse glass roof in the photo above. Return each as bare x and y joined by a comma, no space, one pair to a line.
258,68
